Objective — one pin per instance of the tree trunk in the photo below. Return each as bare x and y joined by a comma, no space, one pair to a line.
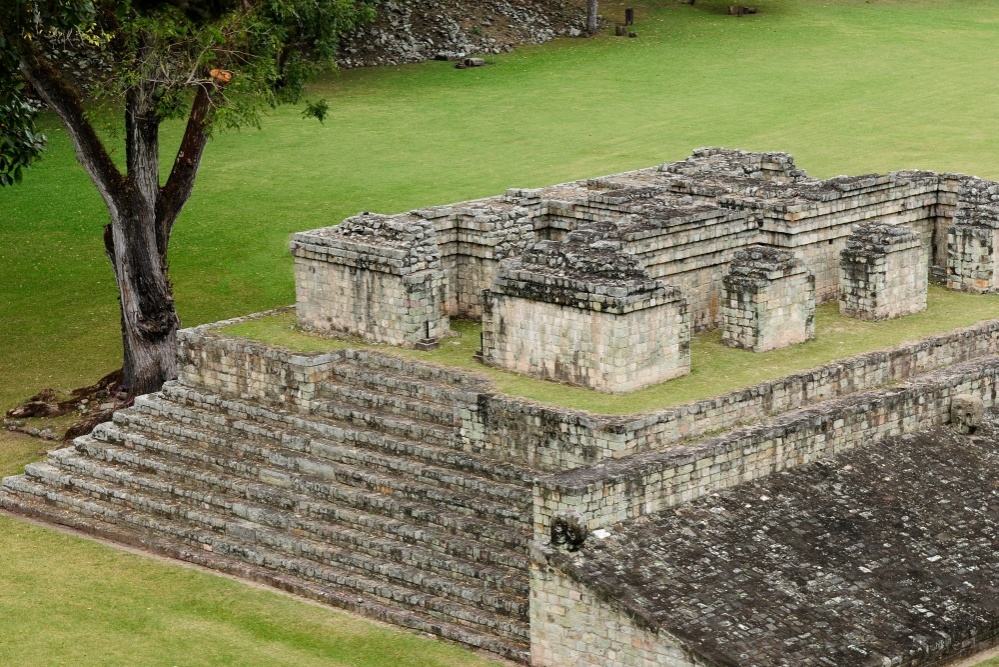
142,213
149,320
591,17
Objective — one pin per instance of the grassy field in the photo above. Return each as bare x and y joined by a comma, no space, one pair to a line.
60,606
847,86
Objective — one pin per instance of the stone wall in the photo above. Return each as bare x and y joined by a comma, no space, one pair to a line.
554,439
549,438
882,274
474,237
683,243
585,314
245,369
683,221
373,276
572,625
621,489
768,300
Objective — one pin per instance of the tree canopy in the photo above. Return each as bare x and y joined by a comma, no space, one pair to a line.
217,63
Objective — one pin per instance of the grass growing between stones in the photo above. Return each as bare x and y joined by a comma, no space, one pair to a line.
60,607
715,368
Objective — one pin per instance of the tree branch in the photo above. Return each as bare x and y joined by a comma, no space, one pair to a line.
65,101
179,185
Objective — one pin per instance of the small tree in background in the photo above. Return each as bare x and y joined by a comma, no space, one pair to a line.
591,16
217,63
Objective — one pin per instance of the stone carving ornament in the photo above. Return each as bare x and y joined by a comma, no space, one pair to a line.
568,531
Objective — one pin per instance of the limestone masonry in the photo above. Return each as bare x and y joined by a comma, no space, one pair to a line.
847,515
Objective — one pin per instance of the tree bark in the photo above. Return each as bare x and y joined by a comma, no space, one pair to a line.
142,214
591,17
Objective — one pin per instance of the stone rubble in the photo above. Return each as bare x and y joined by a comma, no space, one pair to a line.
409,31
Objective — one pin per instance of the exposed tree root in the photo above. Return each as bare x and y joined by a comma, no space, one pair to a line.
94,404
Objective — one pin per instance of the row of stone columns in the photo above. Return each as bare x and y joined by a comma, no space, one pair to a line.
768,296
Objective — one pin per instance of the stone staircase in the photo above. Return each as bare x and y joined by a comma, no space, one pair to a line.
366,502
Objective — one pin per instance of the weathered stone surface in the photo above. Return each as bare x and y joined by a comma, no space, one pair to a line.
684,221
883,555
883,273
966,413
403,490
768,300
585,313
972,239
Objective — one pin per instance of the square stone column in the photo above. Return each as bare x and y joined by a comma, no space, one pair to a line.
882,273
768,300
585,314
974,237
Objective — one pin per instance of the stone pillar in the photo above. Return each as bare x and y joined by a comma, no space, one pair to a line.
768,300
882,273
373,276
585,314
972,239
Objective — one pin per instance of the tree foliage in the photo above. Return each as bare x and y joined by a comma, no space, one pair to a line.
266,50
217,63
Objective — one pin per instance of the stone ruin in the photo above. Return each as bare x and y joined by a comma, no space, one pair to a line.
599,283
768,300
581,311
823,518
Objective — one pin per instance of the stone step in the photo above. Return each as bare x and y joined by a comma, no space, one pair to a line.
293,517
349,446
376,599
409,429
380,402
393,381
277,463
118,486
390,371
233,475
218,412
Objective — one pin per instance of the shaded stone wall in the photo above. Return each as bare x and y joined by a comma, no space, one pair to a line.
585,314
473,238
645,483
883,273
813,218
768,301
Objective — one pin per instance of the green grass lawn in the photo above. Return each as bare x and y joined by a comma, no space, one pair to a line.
60,606
847,86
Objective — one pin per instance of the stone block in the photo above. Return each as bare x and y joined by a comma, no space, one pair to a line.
883,273
768,300
584,313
